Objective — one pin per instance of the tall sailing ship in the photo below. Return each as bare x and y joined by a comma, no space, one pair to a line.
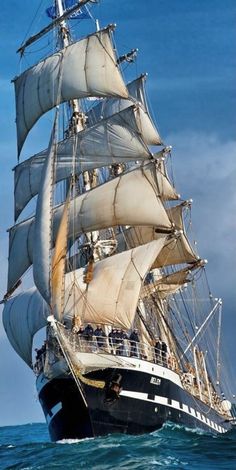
116,279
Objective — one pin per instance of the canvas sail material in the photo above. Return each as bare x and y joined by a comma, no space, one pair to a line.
133,198
111,297
136,92
108,107
167,285
23,316
86,68
177,248
43,222
113,140
58,264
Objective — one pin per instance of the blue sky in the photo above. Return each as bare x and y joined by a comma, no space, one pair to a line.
187,47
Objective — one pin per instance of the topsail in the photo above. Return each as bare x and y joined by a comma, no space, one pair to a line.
116,139
86,68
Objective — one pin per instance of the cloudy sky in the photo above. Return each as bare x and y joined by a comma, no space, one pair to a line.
187,47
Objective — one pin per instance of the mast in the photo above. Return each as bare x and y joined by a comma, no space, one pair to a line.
77,117
53,24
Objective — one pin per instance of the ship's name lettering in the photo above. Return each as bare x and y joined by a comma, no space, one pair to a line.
155,381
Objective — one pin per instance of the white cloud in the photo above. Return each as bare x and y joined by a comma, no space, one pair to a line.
205,170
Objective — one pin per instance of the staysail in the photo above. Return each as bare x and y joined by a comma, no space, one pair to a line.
43,222
86,68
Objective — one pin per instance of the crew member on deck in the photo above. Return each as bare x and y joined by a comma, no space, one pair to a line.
80,331
100,335
134,339
164,353
158,350
118,342
112,340
88,332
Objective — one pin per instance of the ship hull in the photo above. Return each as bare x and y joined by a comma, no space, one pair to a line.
142,402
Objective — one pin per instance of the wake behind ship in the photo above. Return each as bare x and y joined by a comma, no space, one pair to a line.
117,285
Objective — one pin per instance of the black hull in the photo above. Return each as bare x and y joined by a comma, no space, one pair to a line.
145,403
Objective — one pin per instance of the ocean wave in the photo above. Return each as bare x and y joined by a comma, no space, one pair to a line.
171,447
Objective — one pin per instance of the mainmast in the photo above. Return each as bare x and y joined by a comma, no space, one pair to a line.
77,120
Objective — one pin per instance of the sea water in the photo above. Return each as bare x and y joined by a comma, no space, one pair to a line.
28,447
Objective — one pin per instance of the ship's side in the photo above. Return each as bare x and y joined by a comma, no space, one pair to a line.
137,398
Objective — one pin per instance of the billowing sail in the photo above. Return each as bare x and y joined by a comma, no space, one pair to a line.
176,250
86,68
112,295
43,222
23,316
167,285
58,264
113,140
136,90
133,198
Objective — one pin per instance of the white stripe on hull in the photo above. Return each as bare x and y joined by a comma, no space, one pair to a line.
52,413
174,404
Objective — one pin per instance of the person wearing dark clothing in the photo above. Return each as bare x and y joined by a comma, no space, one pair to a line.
80,332
38,354
164,352
134,339
43,348
88,332
118,342
112,340
100,335
80,336
158,351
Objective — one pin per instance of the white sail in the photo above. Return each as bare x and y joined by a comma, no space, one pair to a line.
107,107
177,248
133,198
113,140
176,251
23,316
112,295
58,264
43,222
167,285
86,68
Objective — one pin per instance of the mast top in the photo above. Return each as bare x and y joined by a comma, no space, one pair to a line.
54,23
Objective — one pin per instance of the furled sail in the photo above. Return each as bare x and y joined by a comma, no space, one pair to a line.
113,140
43,222
112,295
107,107
133,198
23,316
86,68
